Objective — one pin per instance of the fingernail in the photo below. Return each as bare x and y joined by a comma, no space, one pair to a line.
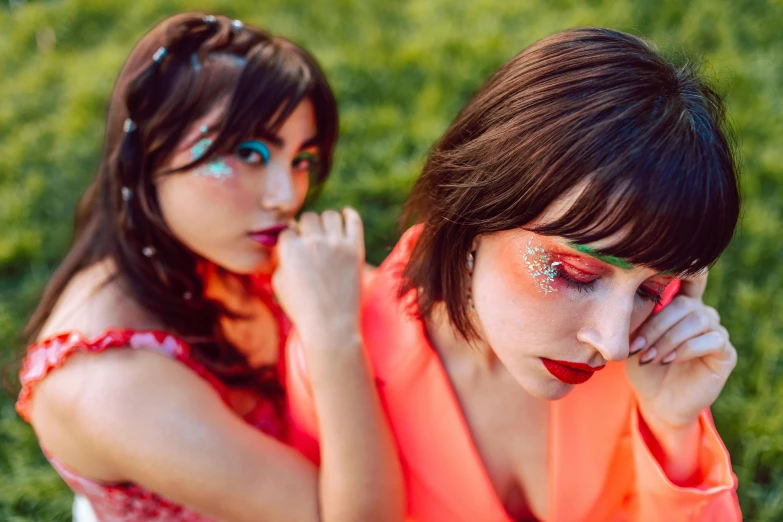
648,356
637,345
669,358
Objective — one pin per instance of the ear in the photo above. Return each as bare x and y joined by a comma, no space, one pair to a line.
474,246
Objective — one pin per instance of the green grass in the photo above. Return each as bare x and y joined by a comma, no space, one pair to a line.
401,71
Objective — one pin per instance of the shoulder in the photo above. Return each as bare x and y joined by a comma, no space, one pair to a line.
88,406
94,301
394,335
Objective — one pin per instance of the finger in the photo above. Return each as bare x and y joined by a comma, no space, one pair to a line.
293,225
712,347
694,286
354,228
333,223
714,315
278,287
692,325
650,332
310,223
287,235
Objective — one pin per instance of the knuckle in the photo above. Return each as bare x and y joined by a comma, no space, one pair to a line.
690,344
713,313
649,330
701,319
732,352
718,336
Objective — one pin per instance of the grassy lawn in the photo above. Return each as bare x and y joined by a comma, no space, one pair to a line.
401,71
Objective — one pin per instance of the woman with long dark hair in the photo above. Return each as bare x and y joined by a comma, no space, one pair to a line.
153,375
539,336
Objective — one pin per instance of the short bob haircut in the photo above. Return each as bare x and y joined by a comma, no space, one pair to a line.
587,109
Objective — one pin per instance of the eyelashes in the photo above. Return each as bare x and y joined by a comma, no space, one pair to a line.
649,295
307,161
580,286
254,152
589,286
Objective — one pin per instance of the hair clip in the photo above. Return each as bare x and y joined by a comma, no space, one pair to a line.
237,24
159,55
148,251
129,125
126,193
209,19
194,63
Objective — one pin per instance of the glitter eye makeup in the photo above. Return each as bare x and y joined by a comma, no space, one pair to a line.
215,169
544,269
540,266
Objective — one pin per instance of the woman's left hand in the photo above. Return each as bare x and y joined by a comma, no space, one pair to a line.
686,359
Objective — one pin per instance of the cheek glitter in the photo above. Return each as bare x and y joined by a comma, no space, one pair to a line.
216,169
540,266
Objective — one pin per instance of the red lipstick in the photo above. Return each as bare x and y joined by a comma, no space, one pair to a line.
268,236
570,372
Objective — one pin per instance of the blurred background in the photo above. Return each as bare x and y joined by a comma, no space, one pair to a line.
401,70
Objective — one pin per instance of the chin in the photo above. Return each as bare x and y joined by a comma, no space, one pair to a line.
547,389
249,265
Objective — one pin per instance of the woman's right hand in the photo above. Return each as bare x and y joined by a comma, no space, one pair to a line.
318,282
318,278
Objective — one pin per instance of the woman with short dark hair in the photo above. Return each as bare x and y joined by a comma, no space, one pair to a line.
539,337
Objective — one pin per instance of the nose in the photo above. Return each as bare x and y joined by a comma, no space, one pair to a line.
277,189
608,329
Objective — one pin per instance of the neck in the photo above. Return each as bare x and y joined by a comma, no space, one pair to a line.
224,287
253,331
453,348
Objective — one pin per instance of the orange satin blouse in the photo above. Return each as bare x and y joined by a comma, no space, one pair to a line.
600,470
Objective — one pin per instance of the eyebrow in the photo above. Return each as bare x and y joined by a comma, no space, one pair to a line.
277,141
612,260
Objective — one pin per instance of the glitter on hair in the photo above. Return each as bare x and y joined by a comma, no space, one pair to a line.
200,148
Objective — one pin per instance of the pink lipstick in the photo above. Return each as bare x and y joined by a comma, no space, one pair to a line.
267,237
570,372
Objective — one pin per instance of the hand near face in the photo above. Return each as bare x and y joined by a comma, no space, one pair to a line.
685,361
318,278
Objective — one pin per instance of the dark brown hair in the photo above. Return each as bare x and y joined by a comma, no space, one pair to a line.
208,59
591,109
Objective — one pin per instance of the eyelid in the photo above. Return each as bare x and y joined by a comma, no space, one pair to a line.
257,146
576,272
310,151
656,288
580,264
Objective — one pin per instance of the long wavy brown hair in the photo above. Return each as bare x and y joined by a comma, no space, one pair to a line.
207,59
